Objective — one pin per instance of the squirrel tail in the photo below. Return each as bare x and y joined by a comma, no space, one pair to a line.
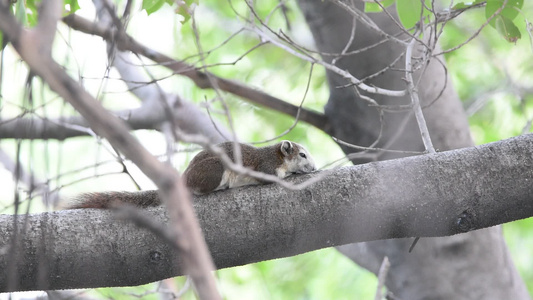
110,199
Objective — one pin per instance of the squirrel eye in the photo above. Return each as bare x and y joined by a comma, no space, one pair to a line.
303,155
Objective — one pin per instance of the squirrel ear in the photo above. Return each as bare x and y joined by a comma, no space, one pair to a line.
286,148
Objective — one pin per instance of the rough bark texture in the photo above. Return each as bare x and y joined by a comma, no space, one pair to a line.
440,194
470,266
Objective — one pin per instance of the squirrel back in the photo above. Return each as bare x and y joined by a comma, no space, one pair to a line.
206,173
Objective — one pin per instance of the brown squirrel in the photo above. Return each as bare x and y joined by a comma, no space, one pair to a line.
206,173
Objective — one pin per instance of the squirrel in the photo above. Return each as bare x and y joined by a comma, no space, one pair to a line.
206,173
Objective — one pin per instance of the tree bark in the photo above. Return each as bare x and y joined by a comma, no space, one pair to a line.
440,194
470,266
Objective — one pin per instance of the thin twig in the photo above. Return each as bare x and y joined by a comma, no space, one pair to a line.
348,44
365,20
347,75
200,78
382,277
214,84
497,12
419,115
297,118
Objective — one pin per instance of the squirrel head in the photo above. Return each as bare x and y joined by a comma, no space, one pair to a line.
296,158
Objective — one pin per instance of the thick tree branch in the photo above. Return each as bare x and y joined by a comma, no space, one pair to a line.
433,195
49,15
201,79
151,115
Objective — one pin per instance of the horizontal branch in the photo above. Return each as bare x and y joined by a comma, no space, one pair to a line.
201,79
432,195
73,126
44,128
151,115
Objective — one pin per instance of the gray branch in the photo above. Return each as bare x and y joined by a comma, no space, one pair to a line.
151,115
433,195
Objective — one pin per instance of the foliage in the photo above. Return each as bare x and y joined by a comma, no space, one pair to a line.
500,14
411,12
151,6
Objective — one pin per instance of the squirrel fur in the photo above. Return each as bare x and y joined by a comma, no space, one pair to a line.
206,173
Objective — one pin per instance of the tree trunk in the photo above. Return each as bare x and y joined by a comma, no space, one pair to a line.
475,265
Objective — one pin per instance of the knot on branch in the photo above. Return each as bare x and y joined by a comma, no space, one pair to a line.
156,257
465,221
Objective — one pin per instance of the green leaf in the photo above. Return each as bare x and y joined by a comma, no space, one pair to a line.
461,5
373,7
507,29
184,12
2,46
184,9
73,6
20,13
409,11
464,5
152,6
503,22
31,4
510,11
33,14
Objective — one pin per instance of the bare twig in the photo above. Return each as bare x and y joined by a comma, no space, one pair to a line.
419,115
213,82
352,79
365,20
200,78
297,118
371,148
29,179
382,277
497,12
349,43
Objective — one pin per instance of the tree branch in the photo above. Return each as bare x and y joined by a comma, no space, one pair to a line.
433,195
201,79
49,14
189,239
151,115
413,92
